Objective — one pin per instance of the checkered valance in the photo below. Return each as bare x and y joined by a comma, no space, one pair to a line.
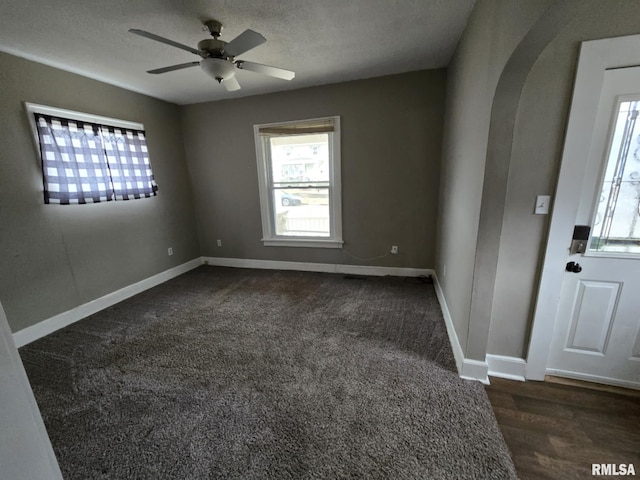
84,162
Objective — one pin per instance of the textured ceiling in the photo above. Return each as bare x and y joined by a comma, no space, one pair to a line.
323,41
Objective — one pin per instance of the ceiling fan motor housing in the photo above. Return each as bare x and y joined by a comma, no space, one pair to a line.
213,46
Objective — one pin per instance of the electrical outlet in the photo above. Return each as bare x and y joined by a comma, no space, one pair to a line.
394,249
170,250
219,243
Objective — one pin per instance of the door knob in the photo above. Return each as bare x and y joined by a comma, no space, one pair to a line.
573,267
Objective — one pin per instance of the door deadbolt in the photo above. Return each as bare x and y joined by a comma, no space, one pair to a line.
573,267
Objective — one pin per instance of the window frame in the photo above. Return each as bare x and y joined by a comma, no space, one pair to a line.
32,109
265,185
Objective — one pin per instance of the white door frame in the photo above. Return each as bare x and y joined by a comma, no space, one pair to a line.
595,57
25,448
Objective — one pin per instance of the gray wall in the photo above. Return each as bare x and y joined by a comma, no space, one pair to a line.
538,136
493,31
53,257
391,140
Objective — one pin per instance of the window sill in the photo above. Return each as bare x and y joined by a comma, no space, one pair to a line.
314,243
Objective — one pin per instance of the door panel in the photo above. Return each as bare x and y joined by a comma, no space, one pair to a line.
593,312
635,354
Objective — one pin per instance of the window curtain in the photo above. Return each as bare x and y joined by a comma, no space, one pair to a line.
83,162
128,162
73,161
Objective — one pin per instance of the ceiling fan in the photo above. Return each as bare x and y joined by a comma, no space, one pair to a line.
219,57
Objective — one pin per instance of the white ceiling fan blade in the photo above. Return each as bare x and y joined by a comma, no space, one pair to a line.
231,84
243,43
166,41
266,70
173,67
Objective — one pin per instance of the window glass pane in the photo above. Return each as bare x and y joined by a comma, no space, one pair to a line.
301,212
616,227
300,158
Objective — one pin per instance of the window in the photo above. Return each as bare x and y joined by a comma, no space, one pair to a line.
299,182
90,159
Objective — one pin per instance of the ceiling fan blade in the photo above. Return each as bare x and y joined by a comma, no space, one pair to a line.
266,70
174,67
166,41
231,84
243,43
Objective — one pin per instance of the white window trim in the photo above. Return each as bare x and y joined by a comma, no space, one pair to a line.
33,108
270,239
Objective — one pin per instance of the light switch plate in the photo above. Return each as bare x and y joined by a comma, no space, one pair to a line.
542,204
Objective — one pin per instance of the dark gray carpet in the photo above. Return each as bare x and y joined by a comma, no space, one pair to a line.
255,374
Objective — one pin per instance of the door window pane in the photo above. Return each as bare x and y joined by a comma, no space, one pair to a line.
616,226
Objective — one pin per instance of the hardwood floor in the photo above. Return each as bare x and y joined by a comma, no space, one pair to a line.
557,431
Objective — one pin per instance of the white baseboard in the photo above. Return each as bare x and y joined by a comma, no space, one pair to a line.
50,325
316,267
512,368
467,368
448,321
585,377
475,370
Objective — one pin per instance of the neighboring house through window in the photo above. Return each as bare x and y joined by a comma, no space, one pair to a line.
90,159
299,182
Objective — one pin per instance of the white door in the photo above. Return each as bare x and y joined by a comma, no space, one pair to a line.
597,332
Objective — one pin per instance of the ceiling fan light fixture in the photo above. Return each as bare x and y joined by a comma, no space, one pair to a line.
218,68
